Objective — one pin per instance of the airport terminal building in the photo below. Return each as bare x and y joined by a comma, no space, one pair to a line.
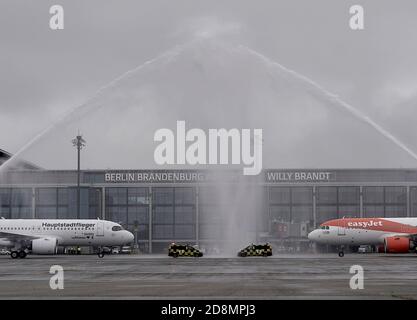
161,206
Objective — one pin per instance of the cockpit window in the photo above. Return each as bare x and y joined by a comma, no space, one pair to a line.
116,228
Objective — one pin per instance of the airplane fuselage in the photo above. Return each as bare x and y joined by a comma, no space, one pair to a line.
363,231
66,232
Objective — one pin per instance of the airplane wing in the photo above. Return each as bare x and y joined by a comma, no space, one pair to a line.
13,237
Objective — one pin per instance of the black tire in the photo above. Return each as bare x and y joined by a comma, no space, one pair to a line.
14,254
101,255
175,254
264,254
22,254
243,254
341,254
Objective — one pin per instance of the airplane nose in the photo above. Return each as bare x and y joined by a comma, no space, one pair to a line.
312,235
130,237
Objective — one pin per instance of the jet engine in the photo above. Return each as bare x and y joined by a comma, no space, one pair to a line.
398,244
44,246
4,242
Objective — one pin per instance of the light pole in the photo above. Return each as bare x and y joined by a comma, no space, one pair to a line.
78,142
136,228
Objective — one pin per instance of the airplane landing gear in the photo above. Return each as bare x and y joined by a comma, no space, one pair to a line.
18,254
100,253
341,251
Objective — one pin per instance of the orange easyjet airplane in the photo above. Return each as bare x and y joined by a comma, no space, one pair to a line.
397,235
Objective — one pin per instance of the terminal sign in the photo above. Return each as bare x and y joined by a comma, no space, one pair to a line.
173,176
299,176
178,176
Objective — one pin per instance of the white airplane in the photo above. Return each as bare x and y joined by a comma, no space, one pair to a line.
35,236
397,235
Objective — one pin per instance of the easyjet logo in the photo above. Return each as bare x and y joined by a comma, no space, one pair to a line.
365,224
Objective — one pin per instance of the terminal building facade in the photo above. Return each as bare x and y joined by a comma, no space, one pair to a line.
162,206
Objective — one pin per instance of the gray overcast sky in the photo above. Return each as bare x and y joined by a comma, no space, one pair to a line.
45,73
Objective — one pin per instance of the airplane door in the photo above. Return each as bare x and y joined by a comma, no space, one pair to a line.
341,230
100,228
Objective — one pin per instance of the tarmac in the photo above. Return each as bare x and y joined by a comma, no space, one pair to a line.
292,276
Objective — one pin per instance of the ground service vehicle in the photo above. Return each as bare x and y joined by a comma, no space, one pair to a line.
365,249
183,250
4,252
263,250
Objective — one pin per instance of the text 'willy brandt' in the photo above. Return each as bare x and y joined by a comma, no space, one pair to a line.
299,176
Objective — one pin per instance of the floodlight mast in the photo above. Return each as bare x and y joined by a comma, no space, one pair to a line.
79,143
